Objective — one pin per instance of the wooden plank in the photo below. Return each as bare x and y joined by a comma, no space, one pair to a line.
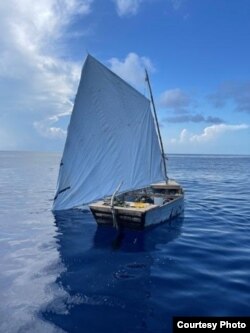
99,206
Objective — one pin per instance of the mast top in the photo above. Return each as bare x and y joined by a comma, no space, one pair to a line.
157,126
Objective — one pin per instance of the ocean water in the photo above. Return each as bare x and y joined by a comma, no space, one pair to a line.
63,274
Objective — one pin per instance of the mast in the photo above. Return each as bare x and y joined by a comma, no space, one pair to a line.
157,126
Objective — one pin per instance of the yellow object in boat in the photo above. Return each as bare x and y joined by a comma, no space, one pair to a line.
139,204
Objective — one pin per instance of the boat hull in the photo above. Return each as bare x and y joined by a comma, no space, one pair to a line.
138,218
165,212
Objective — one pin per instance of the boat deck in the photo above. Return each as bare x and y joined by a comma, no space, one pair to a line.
131,208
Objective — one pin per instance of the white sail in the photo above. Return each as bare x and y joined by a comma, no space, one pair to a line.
111,139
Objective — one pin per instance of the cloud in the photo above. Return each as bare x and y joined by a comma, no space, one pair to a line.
36,83
183,137
127,7
175,99
132,68
176,4
46,129
131,7
196,118
237,92
209,133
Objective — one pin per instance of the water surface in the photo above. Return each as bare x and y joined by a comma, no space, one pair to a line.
64,274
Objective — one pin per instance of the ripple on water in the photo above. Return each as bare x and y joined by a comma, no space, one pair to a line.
62,274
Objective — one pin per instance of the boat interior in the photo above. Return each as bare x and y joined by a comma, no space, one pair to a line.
154,195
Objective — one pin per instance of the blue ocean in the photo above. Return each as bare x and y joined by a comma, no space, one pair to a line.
62,273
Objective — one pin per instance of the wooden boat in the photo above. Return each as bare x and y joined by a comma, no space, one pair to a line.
141,208
114,140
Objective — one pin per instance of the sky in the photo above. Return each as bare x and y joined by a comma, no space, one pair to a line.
197,53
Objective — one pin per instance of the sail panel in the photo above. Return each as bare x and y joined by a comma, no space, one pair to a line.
111,139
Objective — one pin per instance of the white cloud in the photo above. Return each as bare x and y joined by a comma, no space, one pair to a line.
212,132
184,136
35,82
175,99
127,7
209,133
132,68
46,129
176,4
131,7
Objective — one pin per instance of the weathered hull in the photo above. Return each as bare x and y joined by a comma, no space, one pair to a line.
138,218
165,212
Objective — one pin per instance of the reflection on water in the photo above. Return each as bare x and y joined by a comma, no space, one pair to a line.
106,282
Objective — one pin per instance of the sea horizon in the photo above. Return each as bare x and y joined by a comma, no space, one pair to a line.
177,154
